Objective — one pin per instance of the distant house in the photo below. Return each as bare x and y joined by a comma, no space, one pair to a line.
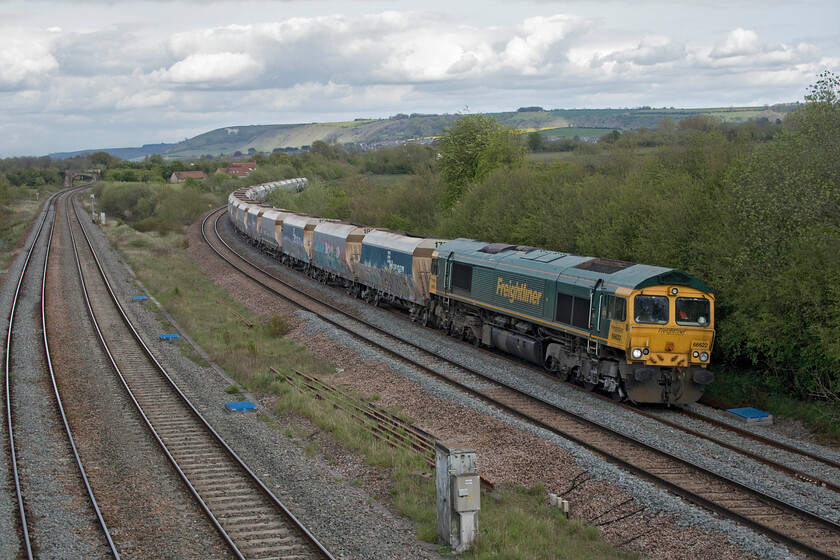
238,169
181,176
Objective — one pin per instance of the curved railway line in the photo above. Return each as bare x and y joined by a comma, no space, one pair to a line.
799,529
19,368
250,518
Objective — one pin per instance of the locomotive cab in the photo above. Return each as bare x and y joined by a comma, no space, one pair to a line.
669,337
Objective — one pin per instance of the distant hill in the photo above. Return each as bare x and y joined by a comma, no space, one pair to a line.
400,128
122,153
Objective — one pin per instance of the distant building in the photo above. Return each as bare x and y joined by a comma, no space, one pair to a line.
238,169
181,176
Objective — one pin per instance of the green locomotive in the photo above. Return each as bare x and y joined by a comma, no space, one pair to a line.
639,332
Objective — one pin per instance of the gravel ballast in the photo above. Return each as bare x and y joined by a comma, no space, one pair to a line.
9,517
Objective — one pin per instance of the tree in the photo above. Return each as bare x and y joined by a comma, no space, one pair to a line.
319,147
610,137
535,142
666,125
472,148
103,158
786,274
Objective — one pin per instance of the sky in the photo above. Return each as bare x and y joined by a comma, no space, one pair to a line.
87,74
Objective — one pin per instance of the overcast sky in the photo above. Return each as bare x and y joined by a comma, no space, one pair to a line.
106,73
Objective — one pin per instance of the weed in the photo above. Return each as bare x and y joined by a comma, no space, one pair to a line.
276,326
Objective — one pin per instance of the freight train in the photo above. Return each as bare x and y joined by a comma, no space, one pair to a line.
640,333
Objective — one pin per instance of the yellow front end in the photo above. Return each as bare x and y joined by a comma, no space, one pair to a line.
669,337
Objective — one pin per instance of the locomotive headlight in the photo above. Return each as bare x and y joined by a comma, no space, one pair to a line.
704,356
696,354
637,353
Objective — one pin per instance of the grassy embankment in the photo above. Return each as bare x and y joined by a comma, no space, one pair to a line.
735,388
514,522
15,217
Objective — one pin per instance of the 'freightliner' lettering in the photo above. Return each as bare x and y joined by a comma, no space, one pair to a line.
517,292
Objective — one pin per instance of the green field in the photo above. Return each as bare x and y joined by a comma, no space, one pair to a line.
572,131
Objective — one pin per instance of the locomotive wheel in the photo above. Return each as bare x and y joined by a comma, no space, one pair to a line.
424,317
553,367
589,386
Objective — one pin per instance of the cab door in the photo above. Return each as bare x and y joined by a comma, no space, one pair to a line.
445,268
598,324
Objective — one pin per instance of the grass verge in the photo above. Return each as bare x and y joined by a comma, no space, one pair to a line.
14,219
513,523
745,388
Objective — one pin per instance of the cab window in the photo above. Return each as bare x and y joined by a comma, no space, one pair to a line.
693,311
651,309
614,308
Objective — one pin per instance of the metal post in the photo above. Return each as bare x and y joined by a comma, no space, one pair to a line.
92,212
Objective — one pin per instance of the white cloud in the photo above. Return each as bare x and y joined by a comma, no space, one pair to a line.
26,58
145,100
650,51
233,69
739,42
530,49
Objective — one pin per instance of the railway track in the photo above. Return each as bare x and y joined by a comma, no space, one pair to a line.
792,526
800,454
38,468
253,522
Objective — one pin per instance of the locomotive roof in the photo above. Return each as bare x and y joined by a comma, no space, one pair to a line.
573,267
